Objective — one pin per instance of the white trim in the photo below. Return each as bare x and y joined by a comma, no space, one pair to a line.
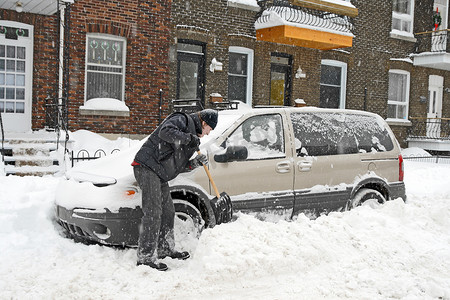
404,18
250,58
343,66
406,102
124,63
28,43
244,5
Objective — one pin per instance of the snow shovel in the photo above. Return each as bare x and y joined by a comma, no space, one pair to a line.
221,204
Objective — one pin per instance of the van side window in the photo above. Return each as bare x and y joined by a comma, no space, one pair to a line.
262,136
318,134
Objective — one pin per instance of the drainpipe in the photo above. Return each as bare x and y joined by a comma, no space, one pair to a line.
61,54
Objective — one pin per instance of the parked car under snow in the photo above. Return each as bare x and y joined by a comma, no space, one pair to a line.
280,161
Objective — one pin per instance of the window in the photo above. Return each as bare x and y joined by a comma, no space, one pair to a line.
402,17
398,95
333,80
321,134
105,66
191,71
240,74
261,135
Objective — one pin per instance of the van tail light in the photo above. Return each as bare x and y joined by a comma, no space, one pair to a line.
401,168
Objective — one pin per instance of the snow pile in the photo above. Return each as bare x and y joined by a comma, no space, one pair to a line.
415,152
397,250
105,104
91,142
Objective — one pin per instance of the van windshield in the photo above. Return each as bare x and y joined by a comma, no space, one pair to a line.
318,134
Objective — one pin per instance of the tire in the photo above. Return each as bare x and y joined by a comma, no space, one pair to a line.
190,219
365,196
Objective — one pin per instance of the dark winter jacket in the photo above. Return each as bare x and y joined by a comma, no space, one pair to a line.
167,150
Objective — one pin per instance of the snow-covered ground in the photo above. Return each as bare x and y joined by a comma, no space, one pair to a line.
396,251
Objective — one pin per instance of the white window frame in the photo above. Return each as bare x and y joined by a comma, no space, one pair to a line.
400,103
110,37
250,59
404,18
343,66
10,120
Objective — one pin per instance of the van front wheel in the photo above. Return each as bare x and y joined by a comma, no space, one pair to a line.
367,196
191,218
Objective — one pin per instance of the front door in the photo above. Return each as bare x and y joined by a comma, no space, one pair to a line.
280,80
16,61
191,70
434,113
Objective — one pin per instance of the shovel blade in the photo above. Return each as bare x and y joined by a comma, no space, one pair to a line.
223,208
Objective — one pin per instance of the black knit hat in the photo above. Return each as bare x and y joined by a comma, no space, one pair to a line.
210,117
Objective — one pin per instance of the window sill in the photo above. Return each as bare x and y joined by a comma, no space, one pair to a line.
405,36
242,5
101,112
398,122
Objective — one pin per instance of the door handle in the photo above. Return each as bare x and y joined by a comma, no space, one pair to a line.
304,166
283,167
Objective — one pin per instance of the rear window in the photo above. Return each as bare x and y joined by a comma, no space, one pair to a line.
318,134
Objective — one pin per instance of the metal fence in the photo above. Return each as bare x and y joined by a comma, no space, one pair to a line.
430,128
437,159
83,155
307,16
433,41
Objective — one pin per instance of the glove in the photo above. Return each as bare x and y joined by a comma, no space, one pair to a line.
194,142
199,160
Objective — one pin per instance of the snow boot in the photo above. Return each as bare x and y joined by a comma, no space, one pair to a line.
176,255
157,266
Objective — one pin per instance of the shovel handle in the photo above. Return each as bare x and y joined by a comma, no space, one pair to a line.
210,178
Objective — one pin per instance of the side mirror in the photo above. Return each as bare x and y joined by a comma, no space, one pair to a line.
233,153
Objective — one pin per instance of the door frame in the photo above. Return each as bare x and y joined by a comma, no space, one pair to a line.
435,85
287,70
200,59
28,43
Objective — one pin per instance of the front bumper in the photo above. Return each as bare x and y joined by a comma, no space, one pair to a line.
105,227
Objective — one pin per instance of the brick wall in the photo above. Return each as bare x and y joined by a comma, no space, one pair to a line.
220,26
146,26
152,29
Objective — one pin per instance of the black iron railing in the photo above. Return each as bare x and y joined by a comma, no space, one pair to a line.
436,159
84,155
430,128
187,105
306,16
432,41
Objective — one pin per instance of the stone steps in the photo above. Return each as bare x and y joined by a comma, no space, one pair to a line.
32,155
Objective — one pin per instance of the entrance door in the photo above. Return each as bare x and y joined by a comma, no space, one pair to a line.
439,39
16,61
280,80
434,113
191,70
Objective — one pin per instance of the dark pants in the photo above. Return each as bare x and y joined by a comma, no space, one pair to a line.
156,232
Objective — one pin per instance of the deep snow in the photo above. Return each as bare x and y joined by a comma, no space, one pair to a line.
396,251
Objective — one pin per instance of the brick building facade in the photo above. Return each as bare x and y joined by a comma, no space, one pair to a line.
193,50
